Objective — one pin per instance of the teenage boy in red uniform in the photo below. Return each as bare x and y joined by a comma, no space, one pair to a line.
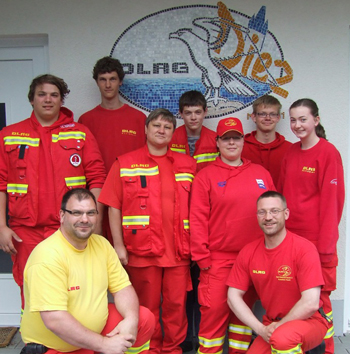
265,146
41,158
193,138
117,127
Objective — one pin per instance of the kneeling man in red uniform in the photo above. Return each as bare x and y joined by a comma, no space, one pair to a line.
285,270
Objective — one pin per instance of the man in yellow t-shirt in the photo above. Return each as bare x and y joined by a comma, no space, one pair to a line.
65,287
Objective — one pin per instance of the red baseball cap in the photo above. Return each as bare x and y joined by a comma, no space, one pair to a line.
229,124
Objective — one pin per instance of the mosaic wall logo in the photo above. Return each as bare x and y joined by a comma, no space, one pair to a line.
228,56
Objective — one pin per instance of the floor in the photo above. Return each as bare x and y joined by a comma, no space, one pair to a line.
342,345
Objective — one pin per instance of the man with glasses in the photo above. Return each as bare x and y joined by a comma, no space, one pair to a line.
286,272
65,285
265,146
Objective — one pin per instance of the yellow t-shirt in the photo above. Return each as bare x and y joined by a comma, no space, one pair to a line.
57,276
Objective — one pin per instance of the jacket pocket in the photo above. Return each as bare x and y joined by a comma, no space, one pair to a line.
133,187
18,200
137,235
70,140
17,162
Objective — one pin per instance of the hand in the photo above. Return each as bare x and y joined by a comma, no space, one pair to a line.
6,244
267,331
117,344
122,254
127,327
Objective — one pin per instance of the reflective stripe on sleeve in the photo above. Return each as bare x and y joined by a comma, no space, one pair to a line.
75,181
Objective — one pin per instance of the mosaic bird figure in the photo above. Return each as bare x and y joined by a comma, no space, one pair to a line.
214,74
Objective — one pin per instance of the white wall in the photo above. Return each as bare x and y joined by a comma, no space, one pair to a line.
314,36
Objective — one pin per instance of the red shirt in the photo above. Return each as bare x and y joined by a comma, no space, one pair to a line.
312,181
279,275
223,209
117,131
268,155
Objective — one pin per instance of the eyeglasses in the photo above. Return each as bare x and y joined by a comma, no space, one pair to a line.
79,214
226,139
264,115
273,212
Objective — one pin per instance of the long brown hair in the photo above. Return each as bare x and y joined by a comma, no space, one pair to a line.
311,104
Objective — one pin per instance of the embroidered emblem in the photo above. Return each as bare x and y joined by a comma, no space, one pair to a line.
260,183
75,160
284,273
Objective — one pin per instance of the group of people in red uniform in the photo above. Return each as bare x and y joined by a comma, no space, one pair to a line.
187,194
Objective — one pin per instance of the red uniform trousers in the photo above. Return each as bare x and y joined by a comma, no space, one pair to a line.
216,316
294,337
30,238
166,288
329,276
144,331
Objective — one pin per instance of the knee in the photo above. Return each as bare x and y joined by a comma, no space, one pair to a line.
281,341
146,320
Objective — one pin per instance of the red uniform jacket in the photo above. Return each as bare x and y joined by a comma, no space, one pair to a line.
205,151
76,162
142,212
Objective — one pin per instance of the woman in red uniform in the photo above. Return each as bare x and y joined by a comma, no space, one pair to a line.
222,221
312,180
